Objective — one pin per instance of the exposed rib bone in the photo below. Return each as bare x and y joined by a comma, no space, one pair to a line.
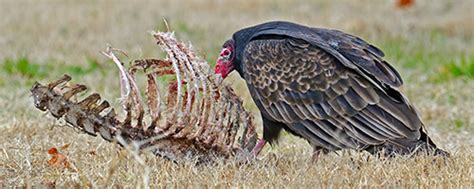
61,80
153,97
74,90
124,83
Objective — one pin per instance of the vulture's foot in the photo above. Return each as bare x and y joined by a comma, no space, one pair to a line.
318,152
244,157
258,147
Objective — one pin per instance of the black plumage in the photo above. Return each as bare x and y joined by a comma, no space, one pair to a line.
329,87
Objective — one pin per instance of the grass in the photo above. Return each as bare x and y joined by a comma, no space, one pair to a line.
462,67
430,44
31,70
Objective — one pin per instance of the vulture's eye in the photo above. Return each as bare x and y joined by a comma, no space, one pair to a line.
226,54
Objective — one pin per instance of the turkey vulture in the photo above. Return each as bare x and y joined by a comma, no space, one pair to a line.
329,87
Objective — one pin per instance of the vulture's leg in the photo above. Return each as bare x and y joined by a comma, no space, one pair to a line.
258,147
271,132
317,152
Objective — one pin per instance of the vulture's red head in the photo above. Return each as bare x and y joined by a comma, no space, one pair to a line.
225,61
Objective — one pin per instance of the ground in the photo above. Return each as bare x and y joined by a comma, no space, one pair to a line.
431,44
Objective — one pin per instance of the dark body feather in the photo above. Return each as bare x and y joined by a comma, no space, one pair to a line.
329,87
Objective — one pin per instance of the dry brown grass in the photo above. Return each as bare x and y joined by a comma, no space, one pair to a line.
66,32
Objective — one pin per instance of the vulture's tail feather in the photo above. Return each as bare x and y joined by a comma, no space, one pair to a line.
423,146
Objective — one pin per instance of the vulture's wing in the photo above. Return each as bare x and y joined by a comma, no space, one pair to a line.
351,51
297,83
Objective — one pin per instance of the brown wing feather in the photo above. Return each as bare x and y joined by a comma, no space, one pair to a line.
316,96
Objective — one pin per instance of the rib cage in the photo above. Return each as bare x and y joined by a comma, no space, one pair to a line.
196,117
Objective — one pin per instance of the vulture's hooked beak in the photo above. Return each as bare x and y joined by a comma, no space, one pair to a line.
224,67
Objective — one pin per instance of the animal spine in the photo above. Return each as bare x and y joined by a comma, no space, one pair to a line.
197,119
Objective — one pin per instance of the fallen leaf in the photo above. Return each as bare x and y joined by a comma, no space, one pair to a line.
405,3
57,159
52,151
